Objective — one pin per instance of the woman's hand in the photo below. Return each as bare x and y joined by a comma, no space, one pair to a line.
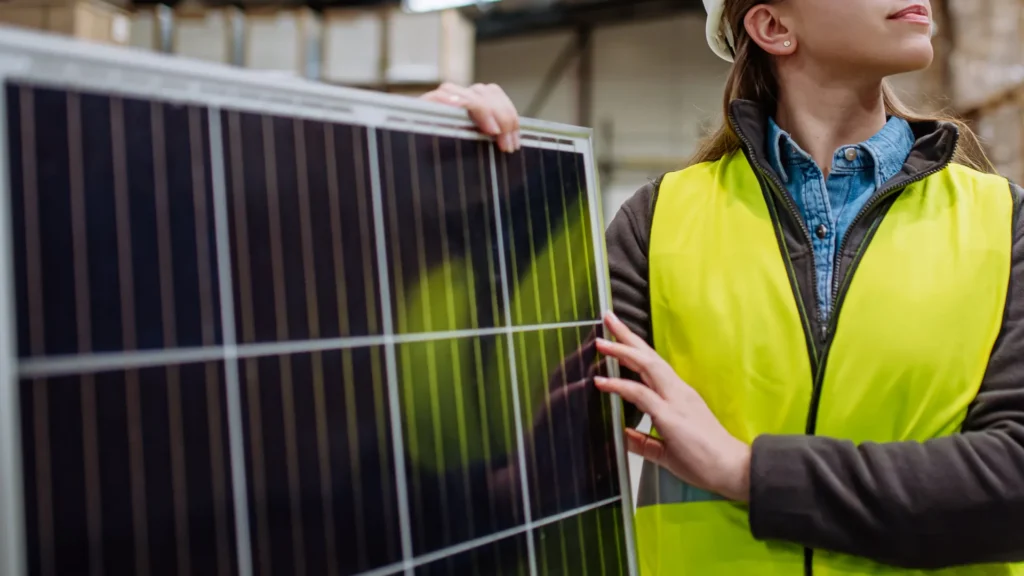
488,106
693,445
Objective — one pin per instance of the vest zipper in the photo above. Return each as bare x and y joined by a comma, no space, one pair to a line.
775,186
781,187
874,201
827,331
839,287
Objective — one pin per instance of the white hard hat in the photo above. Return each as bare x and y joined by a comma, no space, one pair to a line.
720,36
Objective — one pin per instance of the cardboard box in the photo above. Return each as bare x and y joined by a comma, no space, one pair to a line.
430,48
283,40
207,33
93,20
353,46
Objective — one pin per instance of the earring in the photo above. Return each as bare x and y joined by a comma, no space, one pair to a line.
787,43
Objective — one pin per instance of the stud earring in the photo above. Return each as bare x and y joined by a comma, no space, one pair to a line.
787,43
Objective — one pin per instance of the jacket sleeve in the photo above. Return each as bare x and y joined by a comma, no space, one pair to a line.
627,240
946,502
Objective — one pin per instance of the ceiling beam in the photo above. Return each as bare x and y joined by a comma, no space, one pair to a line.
498,23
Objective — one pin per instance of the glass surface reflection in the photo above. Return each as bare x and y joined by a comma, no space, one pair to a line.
440,233
570,447
548,242
590,543
460,439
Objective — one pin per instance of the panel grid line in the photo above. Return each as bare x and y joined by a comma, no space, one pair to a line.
600,253
229,351
391,369
63,365
514,378
206,299
13,559
527,528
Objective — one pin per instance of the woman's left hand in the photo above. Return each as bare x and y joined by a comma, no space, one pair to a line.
692,443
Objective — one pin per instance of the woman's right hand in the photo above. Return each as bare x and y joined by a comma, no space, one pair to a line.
489,107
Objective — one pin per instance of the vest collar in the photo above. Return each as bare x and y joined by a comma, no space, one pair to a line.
934,142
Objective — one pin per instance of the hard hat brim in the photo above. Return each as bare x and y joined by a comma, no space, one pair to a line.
717,30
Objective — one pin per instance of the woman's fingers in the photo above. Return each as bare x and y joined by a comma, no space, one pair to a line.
622,332
645,399
646,446
489,108
476,104
505,110
630,357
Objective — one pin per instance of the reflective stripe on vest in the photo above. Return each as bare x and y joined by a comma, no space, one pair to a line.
911,346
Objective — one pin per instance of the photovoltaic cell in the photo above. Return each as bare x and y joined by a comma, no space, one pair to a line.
301,229
141,489
549,247
319,463
254,341
571,459
583,544
441,236
457,410
112,227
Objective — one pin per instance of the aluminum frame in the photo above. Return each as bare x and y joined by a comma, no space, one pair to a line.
54,61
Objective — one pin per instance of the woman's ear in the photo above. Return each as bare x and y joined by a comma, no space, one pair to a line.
765,27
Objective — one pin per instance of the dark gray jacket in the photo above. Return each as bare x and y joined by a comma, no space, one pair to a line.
950,501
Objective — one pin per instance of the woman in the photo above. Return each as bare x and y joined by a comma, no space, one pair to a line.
826,312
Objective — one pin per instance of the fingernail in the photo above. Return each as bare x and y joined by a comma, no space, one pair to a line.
491,126
600,380
507,144
611,316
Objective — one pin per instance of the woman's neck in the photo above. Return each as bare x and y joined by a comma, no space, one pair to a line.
822,117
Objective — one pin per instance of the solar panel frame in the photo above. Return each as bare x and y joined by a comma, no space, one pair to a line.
47,61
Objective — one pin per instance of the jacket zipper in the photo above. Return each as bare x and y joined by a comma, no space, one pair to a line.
838,291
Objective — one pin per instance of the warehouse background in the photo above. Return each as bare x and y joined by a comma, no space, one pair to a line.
638,71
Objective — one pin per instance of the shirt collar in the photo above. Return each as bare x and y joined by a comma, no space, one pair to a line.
884,153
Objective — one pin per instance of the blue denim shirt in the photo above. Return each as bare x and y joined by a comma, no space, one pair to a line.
829,206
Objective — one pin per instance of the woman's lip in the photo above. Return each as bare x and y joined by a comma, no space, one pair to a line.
913,17
915,13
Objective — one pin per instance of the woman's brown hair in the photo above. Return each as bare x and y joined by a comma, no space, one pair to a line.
753,78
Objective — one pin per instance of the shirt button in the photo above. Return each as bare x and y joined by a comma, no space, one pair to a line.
851,154
821,231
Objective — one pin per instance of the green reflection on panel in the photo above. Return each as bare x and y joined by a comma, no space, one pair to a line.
586,545
456,401
556,285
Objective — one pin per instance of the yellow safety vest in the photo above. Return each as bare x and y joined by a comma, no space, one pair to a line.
906,360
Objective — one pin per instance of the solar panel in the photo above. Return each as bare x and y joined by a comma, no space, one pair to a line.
255,326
